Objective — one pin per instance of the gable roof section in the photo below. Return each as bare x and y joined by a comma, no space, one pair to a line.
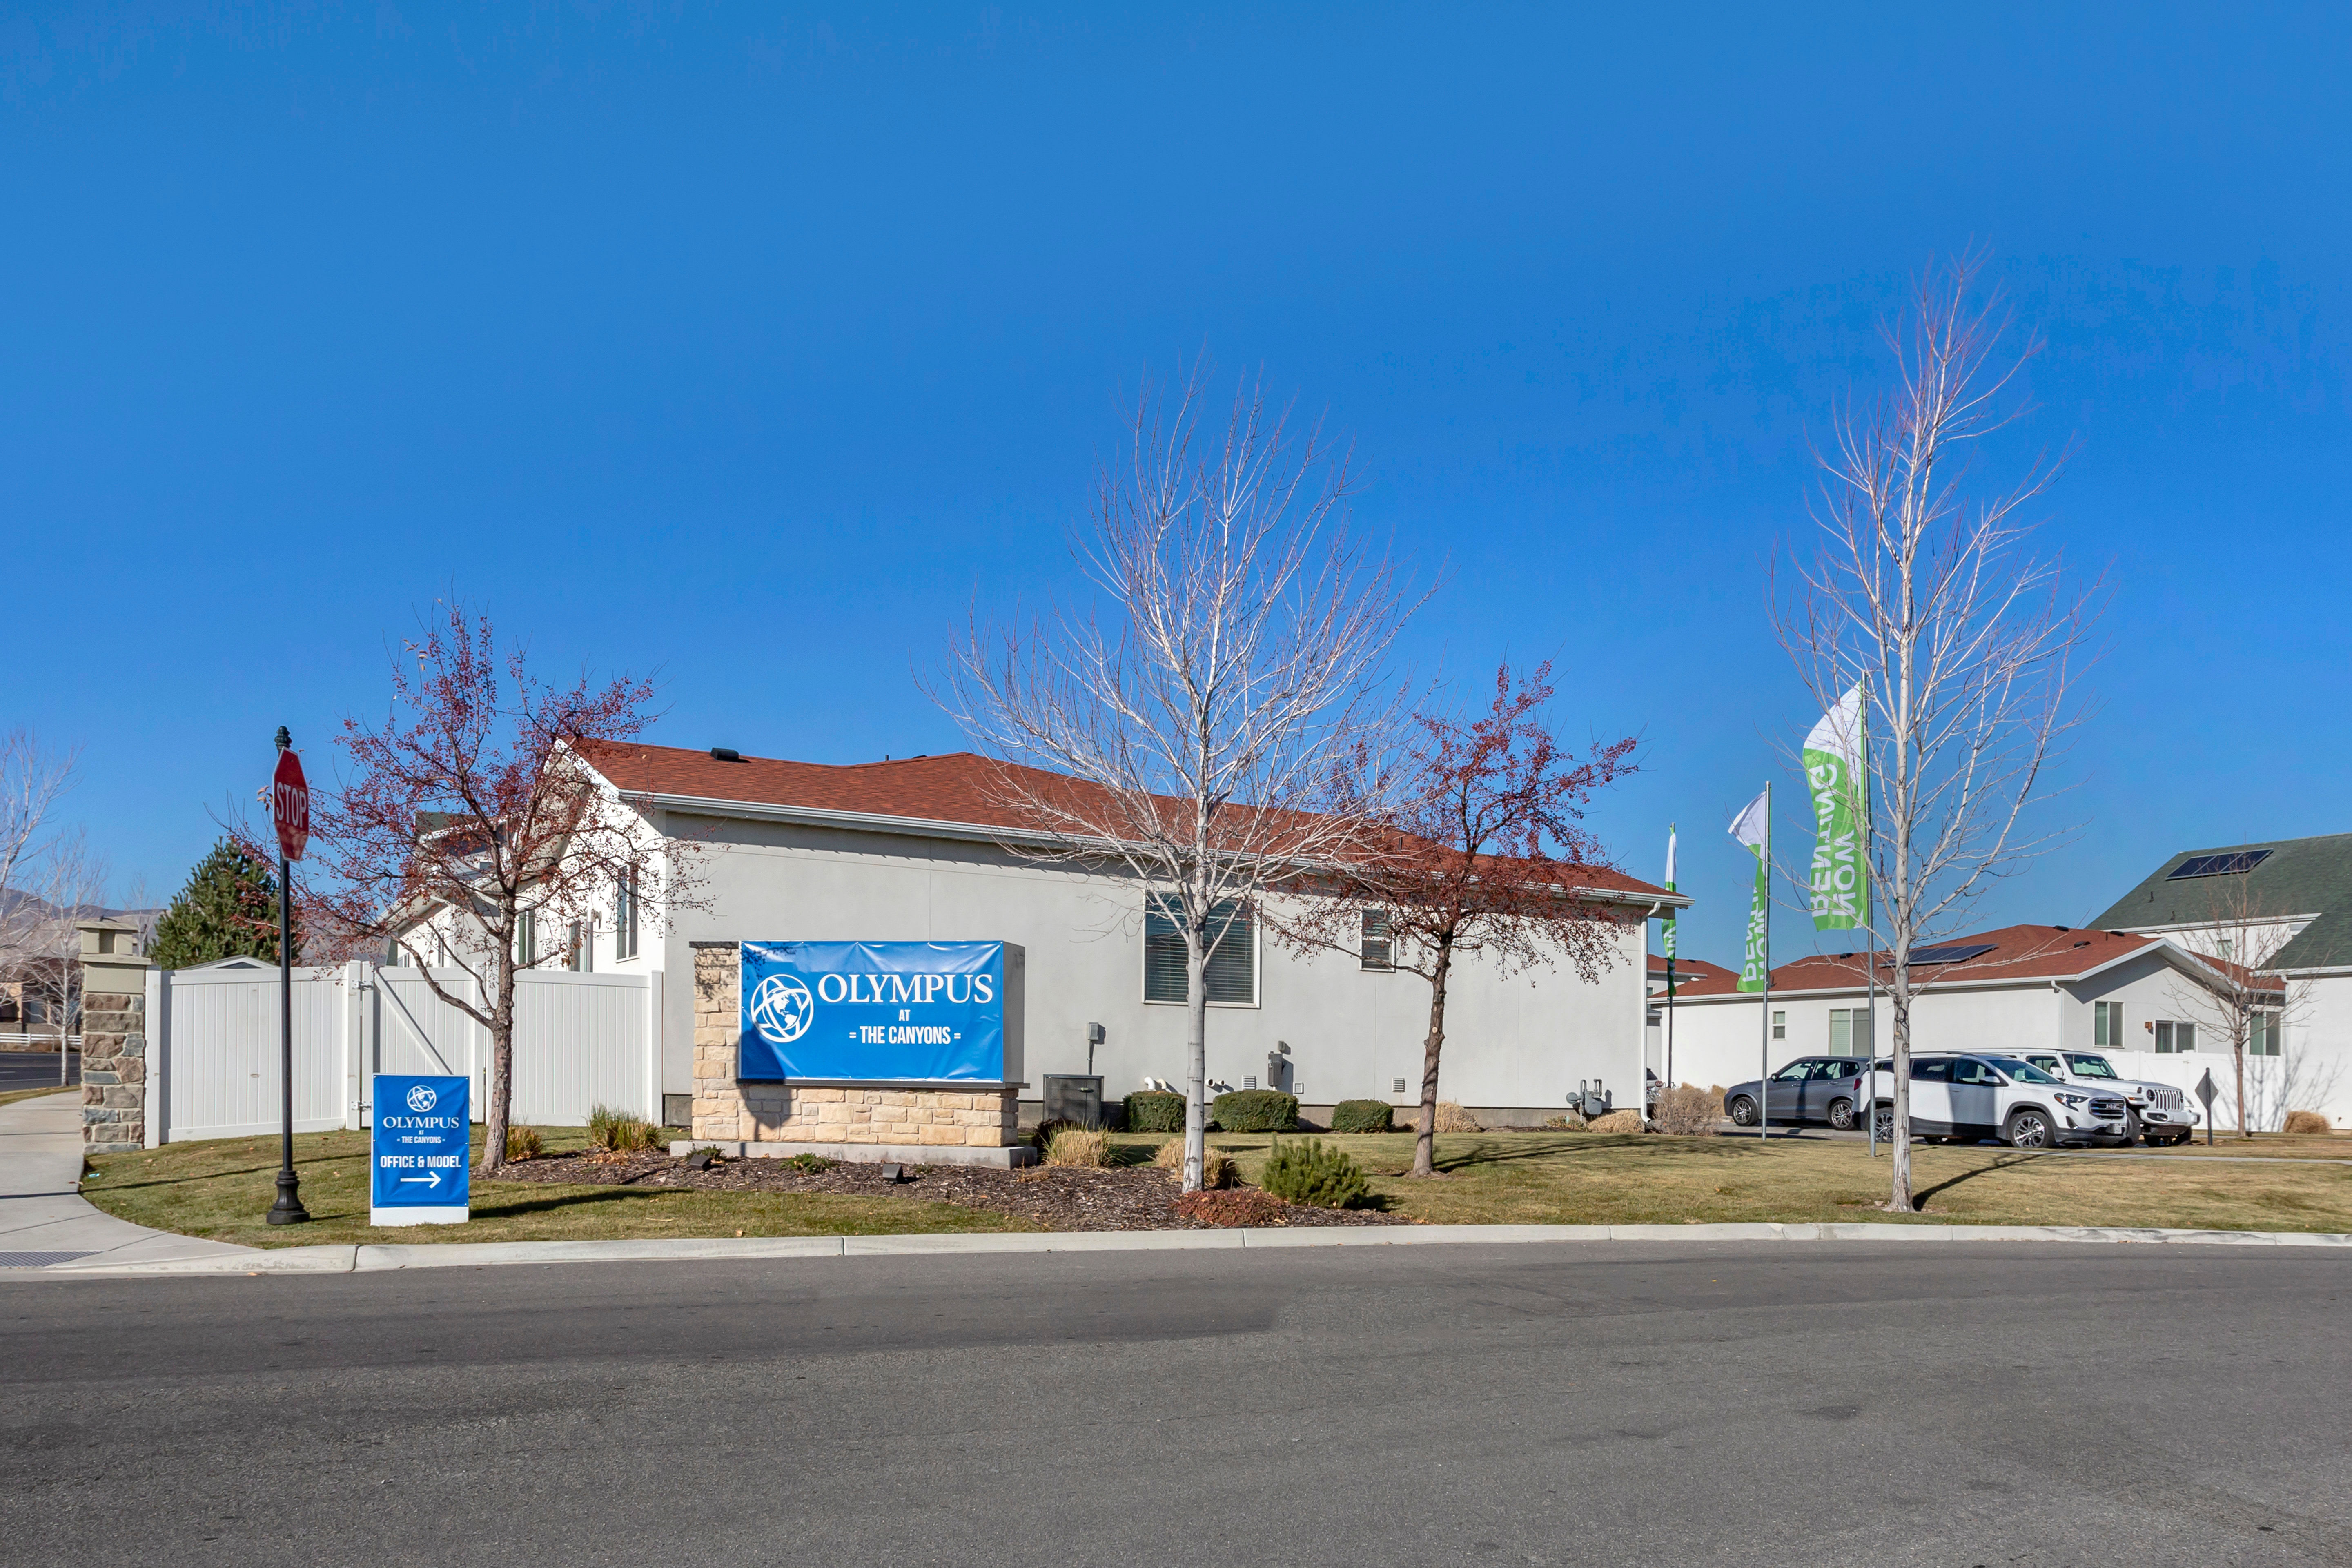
960,794
2032,953
2299,877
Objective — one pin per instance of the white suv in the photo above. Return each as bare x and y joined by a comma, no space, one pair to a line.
1997,1096
2157,1112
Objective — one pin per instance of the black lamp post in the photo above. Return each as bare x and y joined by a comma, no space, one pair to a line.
287,1209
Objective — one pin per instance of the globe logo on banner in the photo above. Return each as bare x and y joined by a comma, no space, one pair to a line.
781,1009
421,1098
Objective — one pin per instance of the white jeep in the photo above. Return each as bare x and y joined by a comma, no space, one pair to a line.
2159,1112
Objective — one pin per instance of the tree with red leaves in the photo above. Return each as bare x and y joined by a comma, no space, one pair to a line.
1482,851
468,823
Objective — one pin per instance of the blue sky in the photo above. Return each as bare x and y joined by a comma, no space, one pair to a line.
753,346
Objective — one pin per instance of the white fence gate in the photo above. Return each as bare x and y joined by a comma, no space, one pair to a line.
212,1054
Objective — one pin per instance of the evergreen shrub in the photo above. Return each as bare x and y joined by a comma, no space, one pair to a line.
1315,1174
1254,1110
229,910
1155,1111
1362,1116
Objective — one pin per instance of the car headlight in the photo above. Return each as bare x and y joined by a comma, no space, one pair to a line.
2072,1101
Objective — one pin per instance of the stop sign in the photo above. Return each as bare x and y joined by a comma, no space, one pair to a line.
290,805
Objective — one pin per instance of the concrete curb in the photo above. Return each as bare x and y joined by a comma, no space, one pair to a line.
371,1257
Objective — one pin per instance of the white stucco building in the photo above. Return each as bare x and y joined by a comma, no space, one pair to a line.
2128,995
920,850
2283,906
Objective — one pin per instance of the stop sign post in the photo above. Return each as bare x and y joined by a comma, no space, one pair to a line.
289,814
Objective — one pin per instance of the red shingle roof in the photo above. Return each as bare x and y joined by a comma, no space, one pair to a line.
1688,972
2019,952
960,788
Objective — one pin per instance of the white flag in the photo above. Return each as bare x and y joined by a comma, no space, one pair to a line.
1752,826
1670,857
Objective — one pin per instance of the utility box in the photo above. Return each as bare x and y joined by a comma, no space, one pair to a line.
1074,1096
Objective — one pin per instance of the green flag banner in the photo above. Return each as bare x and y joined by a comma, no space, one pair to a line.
1838,769
1753,827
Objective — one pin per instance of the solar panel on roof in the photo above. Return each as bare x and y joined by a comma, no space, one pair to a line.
2230,865
1957,952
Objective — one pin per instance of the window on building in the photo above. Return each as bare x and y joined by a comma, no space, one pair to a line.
2107,1026
1780,1026
2262,1034
2175,1038
1849,1031
1232,953
625,916
1378,950
580,951
526,938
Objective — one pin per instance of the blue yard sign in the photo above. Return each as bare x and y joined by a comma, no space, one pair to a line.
873,1011
418,1154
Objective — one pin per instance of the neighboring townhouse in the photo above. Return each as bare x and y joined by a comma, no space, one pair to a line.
2283,906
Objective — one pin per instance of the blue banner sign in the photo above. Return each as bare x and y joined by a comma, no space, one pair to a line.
418,1151
879,1010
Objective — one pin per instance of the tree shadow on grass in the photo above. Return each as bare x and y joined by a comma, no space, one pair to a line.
2001,1162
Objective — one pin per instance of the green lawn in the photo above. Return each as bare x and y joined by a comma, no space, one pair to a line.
221,1188
1584,1178
14,1095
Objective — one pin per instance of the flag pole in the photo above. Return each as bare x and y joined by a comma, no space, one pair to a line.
1764,963
1670,962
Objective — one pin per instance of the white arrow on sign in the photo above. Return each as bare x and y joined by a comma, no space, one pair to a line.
432,1180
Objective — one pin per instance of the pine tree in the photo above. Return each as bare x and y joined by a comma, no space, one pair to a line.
228,908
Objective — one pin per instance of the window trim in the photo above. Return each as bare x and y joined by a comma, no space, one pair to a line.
625,915
1143,960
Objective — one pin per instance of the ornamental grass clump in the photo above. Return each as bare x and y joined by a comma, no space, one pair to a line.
524,1144
1315,1174
2305,1123
612,1131
1217,1168
1688,1111
1082,1146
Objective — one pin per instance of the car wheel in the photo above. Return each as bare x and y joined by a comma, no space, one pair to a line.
1884,1117
1743,1110
2133,1132
1842,1115
2027,1129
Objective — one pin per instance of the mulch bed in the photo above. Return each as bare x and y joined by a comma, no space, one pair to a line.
1058,1198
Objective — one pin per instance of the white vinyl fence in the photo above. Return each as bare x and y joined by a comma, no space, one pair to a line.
212,1056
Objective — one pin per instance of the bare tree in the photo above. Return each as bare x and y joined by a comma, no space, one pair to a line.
69,885
469,824
31,781
1920,587
2239,997
1190,726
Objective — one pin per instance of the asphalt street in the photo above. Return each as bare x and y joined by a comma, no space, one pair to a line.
1954,1404
34,1069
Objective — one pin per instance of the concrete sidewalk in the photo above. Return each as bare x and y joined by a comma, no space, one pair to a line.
45,1222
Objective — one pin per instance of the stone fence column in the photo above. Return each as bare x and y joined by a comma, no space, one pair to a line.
113,1039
